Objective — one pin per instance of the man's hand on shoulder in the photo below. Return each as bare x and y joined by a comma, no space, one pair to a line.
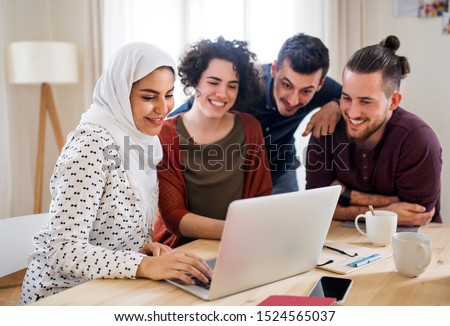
324,121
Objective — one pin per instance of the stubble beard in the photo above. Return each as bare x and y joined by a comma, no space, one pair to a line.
371,129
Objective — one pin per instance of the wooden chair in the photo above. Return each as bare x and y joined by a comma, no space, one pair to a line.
16,244
16,241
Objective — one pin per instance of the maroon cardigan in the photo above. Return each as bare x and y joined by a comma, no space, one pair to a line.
173,196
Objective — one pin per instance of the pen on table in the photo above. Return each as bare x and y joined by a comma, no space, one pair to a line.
364,261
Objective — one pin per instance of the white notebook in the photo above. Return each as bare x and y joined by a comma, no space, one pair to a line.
337,262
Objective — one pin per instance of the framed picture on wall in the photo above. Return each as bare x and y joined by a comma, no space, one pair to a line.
432,8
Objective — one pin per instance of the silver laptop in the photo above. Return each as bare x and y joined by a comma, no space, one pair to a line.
269,238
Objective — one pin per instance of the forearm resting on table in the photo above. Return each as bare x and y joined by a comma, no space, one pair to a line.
348,213
359,204
359,198
408,213
197,226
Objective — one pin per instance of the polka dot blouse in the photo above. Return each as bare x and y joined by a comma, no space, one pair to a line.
96,226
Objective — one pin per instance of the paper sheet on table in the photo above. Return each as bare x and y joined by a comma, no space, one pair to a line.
340,261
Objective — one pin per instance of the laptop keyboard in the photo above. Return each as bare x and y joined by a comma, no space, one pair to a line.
201,283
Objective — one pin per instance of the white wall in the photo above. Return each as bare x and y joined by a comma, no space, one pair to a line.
426,89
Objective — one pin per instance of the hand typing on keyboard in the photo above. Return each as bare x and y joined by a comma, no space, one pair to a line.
201,283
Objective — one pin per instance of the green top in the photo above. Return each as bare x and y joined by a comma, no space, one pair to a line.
213,172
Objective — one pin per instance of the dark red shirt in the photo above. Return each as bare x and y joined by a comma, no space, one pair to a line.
407,162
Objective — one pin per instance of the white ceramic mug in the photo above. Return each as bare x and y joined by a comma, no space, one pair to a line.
412,252
380,227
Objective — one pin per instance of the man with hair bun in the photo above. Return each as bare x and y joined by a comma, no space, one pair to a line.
381,154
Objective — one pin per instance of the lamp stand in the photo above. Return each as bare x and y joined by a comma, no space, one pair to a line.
47,105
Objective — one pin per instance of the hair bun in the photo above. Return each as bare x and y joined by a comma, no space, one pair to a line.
391,42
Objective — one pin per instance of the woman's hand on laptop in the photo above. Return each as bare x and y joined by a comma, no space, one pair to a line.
176,264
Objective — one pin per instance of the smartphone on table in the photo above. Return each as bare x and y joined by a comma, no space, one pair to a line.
332,287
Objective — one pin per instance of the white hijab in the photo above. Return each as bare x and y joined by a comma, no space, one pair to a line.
111,109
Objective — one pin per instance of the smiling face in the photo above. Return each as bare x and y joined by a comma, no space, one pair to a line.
365,107
151,99
293,90
217,89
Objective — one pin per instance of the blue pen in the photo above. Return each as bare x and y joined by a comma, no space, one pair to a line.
364,261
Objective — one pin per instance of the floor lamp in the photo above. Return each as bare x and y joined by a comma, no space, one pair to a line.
43,63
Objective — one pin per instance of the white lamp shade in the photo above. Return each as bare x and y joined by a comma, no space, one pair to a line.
42,62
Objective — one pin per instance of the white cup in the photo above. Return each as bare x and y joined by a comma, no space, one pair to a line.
380,227
412,252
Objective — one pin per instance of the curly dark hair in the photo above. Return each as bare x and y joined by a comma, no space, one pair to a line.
196,60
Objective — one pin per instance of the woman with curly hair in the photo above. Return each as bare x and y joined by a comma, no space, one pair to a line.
212,154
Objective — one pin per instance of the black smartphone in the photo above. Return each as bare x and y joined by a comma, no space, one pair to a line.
332,287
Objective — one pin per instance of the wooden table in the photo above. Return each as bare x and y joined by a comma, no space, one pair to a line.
378,284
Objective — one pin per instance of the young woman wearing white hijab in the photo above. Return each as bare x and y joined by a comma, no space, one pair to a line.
104,186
